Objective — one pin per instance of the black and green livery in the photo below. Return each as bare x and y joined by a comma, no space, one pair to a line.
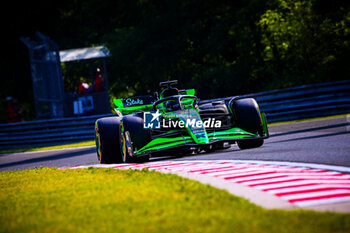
185,125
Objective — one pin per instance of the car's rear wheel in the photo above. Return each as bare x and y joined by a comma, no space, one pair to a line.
107,138
133,136
248,118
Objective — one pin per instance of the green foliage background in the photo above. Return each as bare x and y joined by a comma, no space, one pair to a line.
221,48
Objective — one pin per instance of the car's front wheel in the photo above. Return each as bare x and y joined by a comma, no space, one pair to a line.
132,136
107,140
248,118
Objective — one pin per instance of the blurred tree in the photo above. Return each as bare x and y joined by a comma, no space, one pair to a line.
301,46
221,48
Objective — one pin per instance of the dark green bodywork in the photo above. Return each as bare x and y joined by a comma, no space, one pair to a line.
190,136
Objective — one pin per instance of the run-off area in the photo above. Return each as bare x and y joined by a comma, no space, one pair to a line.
300,186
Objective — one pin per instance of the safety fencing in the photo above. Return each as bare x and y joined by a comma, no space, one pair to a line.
279,105
303,102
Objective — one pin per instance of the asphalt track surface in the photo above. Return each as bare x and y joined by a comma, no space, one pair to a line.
324,141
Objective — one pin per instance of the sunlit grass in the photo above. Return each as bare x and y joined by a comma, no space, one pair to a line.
109,200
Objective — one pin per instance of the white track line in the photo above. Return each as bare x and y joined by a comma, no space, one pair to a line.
308,188
323,201
319,194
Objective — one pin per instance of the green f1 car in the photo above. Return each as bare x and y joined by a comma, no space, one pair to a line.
176,123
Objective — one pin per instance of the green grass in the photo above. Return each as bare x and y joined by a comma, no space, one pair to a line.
63,146
108,200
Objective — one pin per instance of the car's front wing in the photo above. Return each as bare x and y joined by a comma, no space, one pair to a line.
230,135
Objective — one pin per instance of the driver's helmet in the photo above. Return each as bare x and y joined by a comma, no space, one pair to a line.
172,106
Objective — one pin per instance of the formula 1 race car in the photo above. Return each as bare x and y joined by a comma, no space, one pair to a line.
176,123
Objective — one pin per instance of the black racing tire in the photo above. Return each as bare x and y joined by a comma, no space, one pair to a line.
248,118
133,136
107,140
